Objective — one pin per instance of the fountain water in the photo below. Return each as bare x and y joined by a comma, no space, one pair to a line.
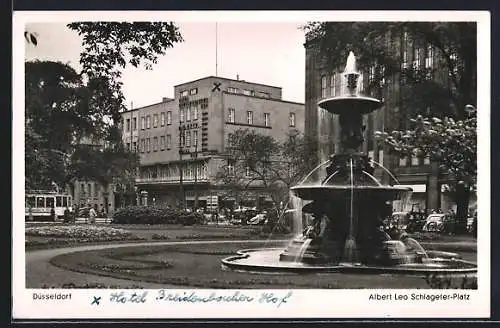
348,206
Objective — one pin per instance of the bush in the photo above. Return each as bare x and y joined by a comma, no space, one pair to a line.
155,215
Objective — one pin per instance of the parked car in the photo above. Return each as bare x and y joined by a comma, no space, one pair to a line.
259,219
439,222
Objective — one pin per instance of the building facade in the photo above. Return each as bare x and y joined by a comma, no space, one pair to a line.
181,141
323,82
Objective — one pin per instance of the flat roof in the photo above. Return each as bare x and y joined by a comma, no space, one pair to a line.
169,100
257,97
227,79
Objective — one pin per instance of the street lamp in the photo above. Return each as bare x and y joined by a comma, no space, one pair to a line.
195,156
183,200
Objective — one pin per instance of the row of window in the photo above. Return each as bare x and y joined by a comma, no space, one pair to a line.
190,92
187,141
146,121
414,161
189,114
249,92
231,117
171,172
87,192
162,143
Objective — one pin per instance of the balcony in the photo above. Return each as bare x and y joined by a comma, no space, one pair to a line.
171,180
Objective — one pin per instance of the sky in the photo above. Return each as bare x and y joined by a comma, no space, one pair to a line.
261,52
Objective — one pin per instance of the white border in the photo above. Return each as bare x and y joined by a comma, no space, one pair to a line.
303,303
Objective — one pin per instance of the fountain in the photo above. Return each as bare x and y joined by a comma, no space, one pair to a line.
348,208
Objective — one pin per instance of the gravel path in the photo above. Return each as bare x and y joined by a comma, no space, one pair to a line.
41,274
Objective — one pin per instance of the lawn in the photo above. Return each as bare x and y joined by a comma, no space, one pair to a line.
198,265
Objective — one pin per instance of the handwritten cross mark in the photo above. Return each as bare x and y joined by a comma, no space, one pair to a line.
96,300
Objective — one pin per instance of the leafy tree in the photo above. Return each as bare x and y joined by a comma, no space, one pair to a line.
377,46
62,106
452,143
255,160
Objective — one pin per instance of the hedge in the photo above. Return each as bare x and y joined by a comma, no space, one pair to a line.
155,215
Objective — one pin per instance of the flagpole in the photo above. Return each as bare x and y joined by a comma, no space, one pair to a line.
216,50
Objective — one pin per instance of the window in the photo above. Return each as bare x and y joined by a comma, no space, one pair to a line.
292,119
263,94
155,120
162,142
96,190
134,146
429,61
332,85
128,146
184,93
148,122
427,160
193,91
182,115
162,119
454,61
169,118
402,161
323,86
249,92
183,139
128,125
142,146
143,125
169,141
148,145
266,119
230,139
404,63
414,161
249,117
230,168
40,202
134,123
247,171
230,115
232,90
194,113
188,139
195,138
416,57
155,144
89,188
49,202
188,114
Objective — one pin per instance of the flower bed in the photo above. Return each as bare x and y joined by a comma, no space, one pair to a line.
75,233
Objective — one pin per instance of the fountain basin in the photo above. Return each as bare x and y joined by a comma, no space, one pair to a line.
317,192
266,260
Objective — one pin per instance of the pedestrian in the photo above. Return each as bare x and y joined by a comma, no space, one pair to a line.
66,215
92,215
52,214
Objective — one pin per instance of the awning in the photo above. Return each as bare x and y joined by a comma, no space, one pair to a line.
416,188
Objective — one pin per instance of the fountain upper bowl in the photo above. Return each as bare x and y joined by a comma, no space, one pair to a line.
315,192
349,104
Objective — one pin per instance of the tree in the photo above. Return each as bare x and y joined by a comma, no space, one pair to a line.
109,46
376,44
452,143
62,106
260,161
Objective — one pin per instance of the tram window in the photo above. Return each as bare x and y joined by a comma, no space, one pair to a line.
40,202
50,202
59,201
65,201
30,201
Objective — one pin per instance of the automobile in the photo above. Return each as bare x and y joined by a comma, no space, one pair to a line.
438,222
259,219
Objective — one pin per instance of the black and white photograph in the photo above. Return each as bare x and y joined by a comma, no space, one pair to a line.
243,160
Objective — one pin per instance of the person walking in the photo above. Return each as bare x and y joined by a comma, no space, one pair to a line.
92,215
